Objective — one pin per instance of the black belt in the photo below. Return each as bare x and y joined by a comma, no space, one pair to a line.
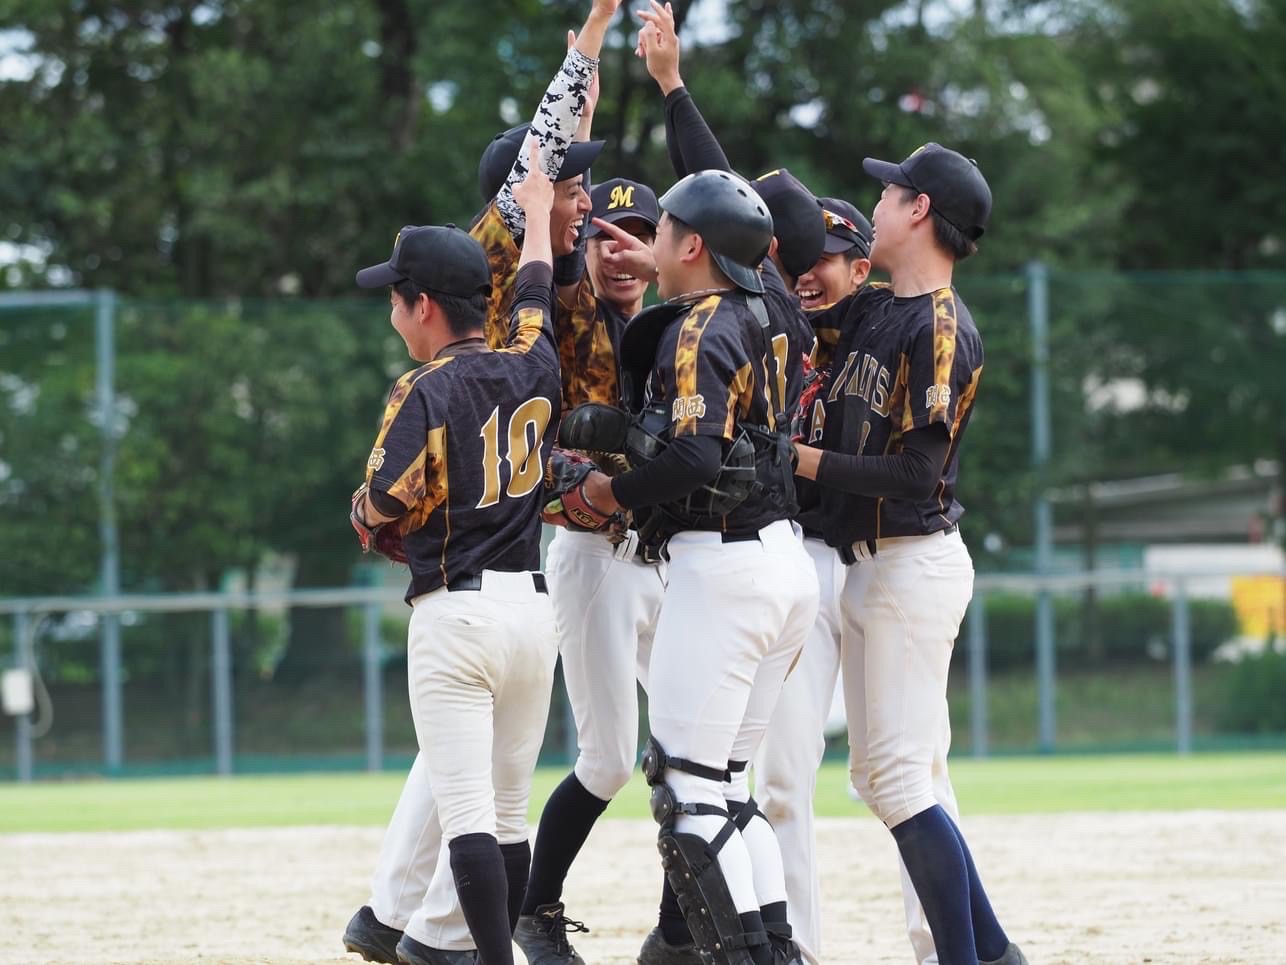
848,557
475,583
739,537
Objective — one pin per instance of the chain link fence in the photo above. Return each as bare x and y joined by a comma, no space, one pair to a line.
177,474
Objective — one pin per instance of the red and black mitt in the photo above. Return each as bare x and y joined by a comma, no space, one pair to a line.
382,538
813,381
565,501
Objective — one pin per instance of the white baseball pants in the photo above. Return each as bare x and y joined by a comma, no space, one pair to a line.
733,619
606,611
480,670
792,749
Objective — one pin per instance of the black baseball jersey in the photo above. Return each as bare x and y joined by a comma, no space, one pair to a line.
825,324
900,364
464,443
712,371
792,335
589,336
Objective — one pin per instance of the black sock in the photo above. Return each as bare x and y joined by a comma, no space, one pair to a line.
517,864
774,913
479,872
753,921
934,860
990,940
565,823
674,928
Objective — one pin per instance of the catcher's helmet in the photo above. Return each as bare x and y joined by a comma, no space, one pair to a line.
731,219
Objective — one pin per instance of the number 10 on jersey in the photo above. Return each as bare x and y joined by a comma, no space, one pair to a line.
526,429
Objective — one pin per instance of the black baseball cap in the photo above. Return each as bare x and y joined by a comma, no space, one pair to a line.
956,188
796,217
443,259
620,199
499,156
846,227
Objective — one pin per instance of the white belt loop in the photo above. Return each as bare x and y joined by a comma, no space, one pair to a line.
627,548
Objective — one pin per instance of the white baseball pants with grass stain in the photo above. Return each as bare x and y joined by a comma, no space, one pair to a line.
480,671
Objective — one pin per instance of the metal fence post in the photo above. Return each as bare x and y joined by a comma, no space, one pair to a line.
109,564
221,690
373,686
24,660
110,671
978,675
1182,669
1038,311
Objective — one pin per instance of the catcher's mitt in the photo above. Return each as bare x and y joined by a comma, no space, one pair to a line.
565,501
814,378
383,538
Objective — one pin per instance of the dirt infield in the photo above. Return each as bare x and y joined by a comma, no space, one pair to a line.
1196,886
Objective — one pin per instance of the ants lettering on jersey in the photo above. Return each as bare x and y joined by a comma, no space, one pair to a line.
868,380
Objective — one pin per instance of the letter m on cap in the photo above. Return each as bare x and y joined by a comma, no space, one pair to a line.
621,197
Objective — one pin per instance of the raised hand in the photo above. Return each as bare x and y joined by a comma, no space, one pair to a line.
535,192
658,44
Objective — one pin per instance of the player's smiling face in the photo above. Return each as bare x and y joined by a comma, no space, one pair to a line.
831,279
666,252
891,220
614,286
405,320
571,203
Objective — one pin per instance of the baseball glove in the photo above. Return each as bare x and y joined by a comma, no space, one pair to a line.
565,501
383,538
814,378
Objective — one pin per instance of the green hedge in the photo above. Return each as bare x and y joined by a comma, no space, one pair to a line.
1255,694
1131,628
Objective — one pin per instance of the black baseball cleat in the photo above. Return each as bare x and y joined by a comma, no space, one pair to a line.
1013,956
543,936
369,937
657,951
411,952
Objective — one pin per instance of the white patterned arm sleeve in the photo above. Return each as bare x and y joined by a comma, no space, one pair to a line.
554,126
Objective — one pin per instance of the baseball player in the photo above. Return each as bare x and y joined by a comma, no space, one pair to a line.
412,888
786,765
786,778
845,261
606,595
895,408
458,470
799,237
709,475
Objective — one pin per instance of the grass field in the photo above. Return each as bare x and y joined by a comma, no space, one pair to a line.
1000,786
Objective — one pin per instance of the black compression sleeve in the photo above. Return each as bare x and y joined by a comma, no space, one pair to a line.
687,463
688,138
385,504
910,474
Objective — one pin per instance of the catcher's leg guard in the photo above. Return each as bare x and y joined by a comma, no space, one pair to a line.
692,867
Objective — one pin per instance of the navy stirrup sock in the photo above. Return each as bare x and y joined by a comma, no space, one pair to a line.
936,863
990,940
